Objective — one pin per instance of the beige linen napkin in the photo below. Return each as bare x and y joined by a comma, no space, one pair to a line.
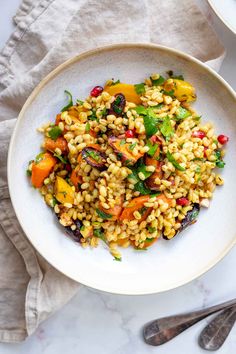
47,33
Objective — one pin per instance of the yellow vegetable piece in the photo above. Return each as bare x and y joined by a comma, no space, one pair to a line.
86,231
128,91
63,191
183,90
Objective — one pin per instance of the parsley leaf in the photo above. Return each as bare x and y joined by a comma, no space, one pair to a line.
61,158
55,132
141,188
132,146
70,103
93,115
39,157
87,127
98,233
152,148
171,158
168,93
80,102
182,113
166,128
103,215
158,81
141,110
139,88
150,124
122,142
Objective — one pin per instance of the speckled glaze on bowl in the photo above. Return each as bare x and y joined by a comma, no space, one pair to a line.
168,264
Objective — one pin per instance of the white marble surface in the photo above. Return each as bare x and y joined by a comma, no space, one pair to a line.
95,322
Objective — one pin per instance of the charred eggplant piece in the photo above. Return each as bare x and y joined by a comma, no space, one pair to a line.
118,105
189,219
94,157
75,234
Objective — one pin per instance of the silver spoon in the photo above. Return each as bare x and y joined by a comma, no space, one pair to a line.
162,330
215,333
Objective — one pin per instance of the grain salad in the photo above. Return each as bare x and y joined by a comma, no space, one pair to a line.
129,164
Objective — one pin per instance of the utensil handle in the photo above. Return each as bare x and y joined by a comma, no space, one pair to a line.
162,330
215,333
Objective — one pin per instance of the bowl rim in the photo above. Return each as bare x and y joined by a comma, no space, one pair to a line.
30,99
222,19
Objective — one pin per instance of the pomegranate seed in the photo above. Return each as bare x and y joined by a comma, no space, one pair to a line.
223,139
153,139
130,133
96,91
68,167
182,201
199,134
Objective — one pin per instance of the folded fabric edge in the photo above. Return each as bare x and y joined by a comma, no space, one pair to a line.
12,336
22,26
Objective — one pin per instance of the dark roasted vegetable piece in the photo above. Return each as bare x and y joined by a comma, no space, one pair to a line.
118,105
189,219
94,157
75,234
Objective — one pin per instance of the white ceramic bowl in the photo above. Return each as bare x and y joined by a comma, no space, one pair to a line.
226,11
167,264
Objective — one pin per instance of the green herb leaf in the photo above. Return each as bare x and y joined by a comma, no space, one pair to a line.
103,215
133,176
28,173
116,105
122,142
70,103
151,230
104,112
39,157
150,125
141,110
220,164
132,146
54,202
140,187
158,81
87,127
168,93
142,169
198,169
93,115
118,259
61,158
166,128
79,102
197,118
171,158
182,113
98,233
178,77
139,88
152,148
115,82
55,132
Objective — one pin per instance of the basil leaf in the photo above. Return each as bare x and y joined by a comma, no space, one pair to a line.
55,132
61,158
103,215
182,113
171,158
158,81
139,88
152,148
87,127
70,103
166,128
